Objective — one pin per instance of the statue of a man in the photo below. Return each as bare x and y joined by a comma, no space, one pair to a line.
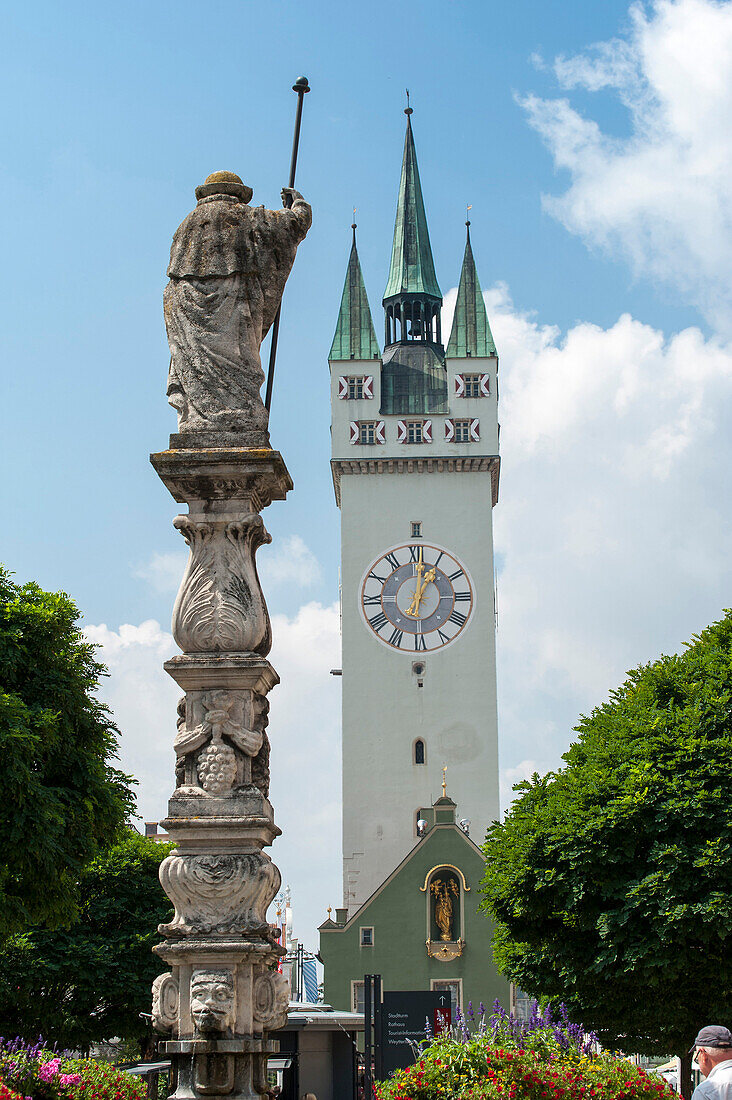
229,263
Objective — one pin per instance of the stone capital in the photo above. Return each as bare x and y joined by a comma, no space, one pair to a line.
246,479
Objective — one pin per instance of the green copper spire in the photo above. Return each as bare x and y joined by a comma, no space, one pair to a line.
412,267
471,333
354,335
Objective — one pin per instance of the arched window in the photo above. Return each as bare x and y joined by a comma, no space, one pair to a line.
419,752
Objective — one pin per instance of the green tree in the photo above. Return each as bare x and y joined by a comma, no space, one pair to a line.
611,879
62,800
90,981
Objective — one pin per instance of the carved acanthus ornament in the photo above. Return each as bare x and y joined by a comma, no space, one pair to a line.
220,605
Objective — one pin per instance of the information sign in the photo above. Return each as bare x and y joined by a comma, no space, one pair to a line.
404,1018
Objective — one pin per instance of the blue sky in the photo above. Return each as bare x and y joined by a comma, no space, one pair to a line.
593,143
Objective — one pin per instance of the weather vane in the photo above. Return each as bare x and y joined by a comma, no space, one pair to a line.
444,781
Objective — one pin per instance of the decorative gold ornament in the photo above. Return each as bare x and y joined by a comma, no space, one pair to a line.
444,867
445,952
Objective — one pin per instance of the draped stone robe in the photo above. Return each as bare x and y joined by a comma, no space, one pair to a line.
229,263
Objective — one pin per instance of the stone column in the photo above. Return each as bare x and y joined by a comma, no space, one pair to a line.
223,993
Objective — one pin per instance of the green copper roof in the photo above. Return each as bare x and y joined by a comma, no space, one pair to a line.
412,267
354,335
471,333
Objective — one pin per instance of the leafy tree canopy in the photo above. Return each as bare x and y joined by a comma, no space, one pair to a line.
611,879
62,800
90,982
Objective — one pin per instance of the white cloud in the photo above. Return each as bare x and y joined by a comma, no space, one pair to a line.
163,571
304,731
143,699
662,196
287,562
613,525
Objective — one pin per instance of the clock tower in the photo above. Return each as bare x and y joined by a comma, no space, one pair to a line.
415,470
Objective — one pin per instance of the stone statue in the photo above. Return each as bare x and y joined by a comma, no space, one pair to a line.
212,1000
443,906
229,263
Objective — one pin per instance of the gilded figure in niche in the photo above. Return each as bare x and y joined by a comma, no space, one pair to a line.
442,889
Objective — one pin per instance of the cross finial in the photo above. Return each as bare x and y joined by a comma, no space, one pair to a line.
408,110
444,781
353,225
467,216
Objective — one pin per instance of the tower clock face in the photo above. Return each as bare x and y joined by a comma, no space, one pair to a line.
417,598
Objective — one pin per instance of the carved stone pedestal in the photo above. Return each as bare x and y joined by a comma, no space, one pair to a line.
223,993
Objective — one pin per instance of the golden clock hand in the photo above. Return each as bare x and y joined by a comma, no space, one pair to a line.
418,596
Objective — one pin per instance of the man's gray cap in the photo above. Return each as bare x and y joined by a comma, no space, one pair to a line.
714,1035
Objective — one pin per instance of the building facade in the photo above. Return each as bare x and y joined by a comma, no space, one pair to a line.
421,928
415,470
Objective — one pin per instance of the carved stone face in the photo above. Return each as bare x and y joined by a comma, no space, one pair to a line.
212,1000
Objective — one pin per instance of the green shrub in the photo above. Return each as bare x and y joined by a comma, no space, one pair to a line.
503,1058
37,1073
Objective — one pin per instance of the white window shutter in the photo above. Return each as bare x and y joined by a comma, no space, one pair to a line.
485,385
368,386
427,431
401,431
475,430
342,388
380,431
449,431
459,385
354,432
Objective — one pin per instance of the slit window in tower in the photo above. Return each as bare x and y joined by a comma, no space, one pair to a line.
367,937
416,529
419,752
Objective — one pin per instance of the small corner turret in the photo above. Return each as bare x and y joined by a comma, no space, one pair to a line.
355,337
471,333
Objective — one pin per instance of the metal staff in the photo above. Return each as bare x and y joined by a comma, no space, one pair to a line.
301,87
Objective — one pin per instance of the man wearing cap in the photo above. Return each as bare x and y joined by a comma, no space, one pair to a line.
713,1049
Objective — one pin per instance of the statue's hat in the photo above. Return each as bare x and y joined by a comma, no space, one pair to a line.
224,183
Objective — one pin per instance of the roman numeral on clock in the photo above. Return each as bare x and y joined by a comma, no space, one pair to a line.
461,597
378,621
376,577
392,559
419,642
371,601
458,618
454,576
396,638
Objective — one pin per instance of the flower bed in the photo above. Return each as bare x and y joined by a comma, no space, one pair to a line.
36,1073
503,1058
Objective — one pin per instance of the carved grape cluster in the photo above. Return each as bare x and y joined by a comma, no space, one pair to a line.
217,768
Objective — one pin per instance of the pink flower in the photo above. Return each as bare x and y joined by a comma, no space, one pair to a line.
49,1069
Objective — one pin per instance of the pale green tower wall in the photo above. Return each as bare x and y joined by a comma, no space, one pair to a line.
384,708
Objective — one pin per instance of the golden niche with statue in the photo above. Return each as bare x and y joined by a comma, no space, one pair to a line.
444,887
